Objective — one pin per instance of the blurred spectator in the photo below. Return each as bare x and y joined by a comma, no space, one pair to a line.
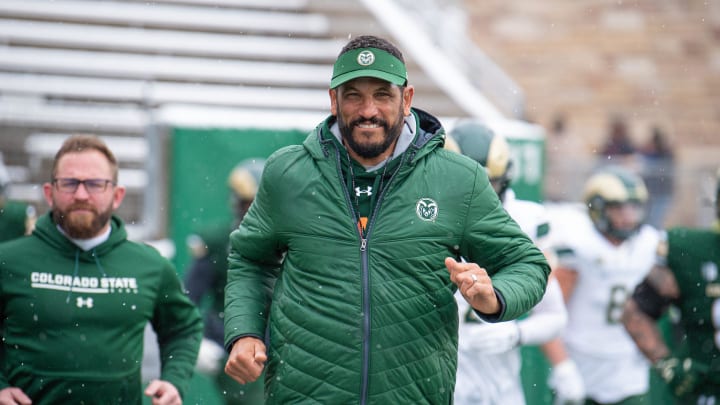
16,218
657,169
618,142
567,162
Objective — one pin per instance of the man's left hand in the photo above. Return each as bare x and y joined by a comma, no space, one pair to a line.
163,393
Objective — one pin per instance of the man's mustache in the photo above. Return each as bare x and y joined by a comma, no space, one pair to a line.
82,207
374,121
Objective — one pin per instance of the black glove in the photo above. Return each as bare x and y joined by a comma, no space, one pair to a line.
682,374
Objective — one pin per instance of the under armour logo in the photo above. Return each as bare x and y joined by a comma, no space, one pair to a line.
80,302
367,191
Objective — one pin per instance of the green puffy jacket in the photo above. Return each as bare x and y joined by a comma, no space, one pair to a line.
373,319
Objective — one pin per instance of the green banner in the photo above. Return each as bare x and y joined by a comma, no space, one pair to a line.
528,156
201,160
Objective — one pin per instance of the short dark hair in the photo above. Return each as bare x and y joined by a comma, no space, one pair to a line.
80,143
371,41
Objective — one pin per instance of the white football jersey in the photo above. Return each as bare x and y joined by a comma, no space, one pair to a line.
608,359
531,217
484,379
492,379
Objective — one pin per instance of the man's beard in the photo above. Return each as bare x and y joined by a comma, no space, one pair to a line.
84,225
370,151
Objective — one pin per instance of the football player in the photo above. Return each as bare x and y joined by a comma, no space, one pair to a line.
489,354
602,257
685,276
16,218
207,276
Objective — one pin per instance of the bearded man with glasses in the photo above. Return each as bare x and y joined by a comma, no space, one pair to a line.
76,295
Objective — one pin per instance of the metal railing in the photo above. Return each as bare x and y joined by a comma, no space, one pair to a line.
446,23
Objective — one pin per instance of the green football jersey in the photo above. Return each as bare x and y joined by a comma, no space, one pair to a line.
694,258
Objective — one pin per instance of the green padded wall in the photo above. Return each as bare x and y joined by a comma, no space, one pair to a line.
200,162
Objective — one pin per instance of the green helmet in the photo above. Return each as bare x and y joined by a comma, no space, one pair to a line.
615,187
477,141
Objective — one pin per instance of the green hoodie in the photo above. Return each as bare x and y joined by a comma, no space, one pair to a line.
73,320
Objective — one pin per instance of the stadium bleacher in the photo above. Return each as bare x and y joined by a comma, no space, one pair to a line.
130,69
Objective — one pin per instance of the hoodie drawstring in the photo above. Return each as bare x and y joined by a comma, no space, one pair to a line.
97,262
75,273
77,268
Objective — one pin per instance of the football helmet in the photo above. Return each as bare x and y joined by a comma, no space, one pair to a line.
243,181
617,201
477,141
451,144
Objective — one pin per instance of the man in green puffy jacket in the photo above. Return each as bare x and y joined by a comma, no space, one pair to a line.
75,297
342,274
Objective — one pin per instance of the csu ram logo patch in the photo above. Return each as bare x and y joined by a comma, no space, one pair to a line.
365,58
426,209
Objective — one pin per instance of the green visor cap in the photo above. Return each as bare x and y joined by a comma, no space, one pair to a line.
368,62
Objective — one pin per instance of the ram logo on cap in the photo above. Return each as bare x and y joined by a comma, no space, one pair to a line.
365,58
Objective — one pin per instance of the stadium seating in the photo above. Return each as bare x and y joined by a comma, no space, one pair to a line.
126,69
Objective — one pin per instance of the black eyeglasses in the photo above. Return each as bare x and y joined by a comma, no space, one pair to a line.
92,186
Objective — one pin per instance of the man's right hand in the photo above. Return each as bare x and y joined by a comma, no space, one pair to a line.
14,396
247,360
